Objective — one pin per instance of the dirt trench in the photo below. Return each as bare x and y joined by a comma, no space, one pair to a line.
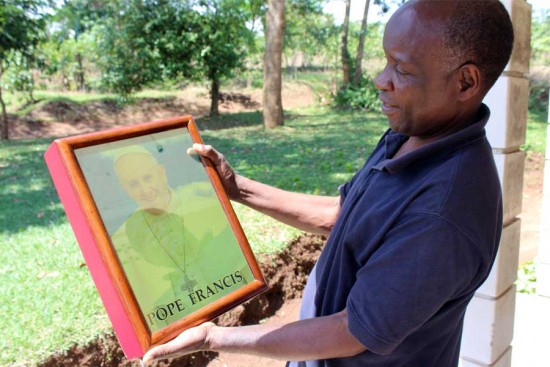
286,274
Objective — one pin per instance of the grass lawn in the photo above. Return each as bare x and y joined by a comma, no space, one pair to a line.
47,298
535,134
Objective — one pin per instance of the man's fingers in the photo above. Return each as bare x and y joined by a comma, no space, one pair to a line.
208,151
189,341
170,349
154,354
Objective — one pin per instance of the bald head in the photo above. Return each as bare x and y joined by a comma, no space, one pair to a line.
465,31
143,178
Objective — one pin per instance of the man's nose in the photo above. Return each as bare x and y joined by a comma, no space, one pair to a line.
383,81
143,190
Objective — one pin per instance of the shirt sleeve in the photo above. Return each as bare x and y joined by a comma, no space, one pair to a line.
423,263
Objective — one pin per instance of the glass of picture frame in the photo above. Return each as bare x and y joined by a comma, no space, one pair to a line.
156,228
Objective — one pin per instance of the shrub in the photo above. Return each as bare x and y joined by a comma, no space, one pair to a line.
358,97
538,96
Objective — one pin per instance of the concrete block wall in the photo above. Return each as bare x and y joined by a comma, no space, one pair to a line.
489,323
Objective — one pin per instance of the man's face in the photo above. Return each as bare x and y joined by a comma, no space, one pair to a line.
144,180
417,86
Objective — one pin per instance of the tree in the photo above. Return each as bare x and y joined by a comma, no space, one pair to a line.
359,58
224,38
274,37
69,40
384,6
20,30
19,76
124,38
308,33
146,41
346,60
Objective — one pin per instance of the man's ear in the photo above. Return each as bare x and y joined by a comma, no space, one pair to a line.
469,78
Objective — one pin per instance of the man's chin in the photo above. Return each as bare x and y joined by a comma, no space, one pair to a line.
154,211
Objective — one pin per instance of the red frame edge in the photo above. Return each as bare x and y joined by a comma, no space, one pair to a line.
122,326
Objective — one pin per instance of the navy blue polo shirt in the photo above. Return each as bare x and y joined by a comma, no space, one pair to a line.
415,237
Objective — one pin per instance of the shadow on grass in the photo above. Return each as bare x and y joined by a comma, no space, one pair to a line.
312,153
227,121
27,195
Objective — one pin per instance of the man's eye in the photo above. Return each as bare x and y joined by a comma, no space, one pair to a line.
400,71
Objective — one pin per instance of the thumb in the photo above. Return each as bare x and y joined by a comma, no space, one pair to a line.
209,152
192,152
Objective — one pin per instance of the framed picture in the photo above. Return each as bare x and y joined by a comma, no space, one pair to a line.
156,228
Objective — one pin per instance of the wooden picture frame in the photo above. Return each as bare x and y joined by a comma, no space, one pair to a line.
156,228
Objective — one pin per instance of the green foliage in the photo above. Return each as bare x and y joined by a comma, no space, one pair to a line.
540,39
124,56
527,278
18,77
225,38
141,42
373,41
538,96
312,35
21,26
71,47
361,97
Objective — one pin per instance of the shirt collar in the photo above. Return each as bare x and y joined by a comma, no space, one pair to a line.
448,143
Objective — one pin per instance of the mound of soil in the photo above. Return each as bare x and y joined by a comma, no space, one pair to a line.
286,274
59,118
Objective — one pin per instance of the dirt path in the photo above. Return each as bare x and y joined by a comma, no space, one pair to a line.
531,207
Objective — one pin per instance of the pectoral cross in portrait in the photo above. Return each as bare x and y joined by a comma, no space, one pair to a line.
189,284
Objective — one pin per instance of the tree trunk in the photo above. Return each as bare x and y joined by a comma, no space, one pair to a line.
64,81
346,67
4,132
360,47
215,96
272,99
80,79
31,89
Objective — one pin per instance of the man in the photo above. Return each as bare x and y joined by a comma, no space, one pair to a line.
175,244
415,232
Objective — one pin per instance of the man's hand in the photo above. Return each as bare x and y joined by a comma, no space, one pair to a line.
316,338
226,173
311,213
190,341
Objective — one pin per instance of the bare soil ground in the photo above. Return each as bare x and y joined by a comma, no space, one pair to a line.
531,206
63,118
286,273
